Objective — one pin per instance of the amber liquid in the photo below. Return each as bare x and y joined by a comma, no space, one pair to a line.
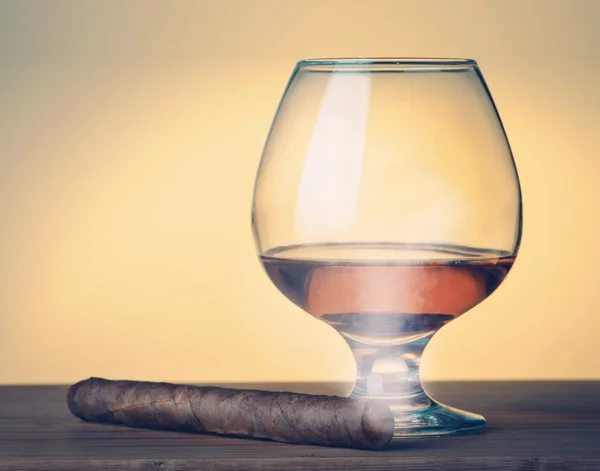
386,294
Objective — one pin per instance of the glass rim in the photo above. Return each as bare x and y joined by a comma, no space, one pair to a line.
389,61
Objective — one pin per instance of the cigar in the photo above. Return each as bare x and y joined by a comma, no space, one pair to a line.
280,416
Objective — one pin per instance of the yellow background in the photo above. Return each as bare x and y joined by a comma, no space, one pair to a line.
130,133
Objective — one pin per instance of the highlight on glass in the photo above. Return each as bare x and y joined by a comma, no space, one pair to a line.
387,204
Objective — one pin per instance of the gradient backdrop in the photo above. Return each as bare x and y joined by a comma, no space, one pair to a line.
130,133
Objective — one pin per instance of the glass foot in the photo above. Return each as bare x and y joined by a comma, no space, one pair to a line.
435,421
391,374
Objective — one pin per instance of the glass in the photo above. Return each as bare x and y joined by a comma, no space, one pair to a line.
387,203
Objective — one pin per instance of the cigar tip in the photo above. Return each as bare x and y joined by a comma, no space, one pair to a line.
71,393
378,425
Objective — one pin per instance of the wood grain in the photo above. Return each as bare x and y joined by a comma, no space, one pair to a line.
532,426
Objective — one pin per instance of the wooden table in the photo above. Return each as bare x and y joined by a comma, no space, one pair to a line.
532,426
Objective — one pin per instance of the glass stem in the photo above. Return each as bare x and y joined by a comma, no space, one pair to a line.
391,373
